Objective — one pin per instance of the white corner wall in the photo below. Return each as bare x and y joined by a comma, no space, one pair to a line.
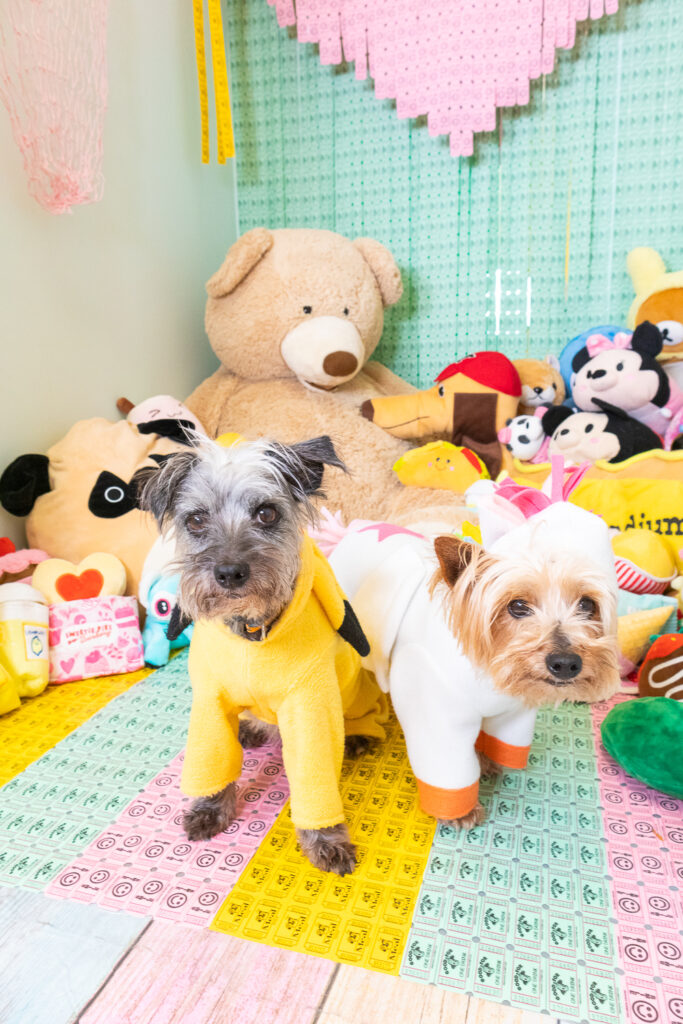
109,300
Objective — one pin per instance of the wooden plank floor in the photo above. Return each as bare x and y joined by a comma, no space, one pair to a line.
54,954
180,975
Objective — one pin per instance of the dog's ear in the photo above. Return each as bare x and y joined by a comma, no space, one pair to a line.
23,482
157,486
454,556
302,464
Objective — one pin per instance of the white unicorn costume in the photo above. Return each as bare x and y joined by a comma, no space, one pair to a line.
447,707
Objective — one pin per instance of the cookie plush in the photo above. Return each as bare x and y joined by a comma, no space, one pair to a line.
98,575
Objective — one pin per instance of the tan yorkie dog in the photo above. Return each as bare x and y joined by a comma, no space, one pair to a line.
472,642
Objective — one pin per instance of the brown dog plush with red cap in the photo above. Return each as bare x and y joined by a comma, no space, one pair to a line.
469,403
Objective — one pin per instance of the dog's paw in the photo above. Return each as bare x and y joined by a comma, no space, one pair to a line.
210,815
471,820
487,766
329,849
254,733
354,746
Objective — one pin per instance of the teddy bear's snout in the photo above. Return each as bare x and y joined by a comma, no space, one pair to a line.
340,364
324,351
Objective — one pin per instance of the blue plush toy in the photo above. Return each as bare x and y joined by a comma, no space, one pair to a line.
160,601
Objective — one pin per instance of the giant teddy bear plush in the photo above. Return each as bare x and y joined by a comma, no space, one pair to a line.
294,316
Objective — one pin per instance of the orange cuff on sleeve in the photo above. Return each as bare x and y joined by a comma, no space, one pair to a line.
447,803
502,753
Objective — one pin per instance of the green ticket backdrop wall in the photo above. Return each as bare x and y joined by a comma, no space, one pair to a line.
543,214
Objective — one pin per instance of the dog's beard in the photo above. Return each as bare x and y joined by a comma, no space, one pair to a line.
518,666
258,603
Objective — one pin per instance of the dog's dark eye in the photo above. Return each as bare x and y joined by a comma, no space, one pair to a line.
267,515
588,428
308,309
196,522
588,607
620,366
442,391
519,609
346,310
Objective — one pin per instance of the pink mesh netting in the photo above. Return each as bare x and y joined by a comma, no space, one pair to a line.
53,81
454,60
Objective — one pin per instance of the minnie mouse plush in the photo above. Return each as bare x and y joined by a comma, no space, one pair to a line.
625,373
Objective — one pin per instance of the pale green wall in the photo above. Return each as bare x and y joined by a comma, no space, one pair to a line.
109,300
316,149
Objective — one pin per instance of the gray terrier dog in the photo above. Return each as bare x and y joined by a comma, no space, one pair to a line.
238,515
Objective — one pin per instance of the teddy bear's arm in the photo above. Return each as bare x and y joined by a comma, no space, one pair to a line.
385,381
207,401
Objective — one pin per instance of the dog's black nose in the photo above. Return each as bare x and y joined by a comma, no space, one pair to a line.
563,666
538,390
232,574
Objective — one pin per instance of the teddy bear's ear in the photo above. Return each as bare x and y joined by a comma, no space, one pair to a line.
241,259
383,266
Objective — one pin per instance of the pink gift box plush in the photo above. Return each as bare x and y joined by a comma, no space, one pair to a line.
95,636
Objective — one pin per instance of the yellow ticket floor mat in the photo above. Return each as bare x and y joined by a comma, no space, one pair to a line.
363,918
42,721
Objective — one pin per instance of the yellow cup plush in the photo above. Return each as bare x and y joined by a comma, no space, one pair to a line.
24,638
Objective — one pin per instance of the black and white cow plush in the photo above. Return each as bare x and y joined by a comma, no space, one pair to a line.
523,437
624,372
609,434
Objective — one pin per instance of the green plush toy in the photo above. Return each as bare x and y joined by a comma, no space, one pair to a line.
645,736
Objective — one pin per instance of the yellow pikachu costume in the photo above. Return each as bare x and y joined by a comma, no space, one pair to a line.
305,675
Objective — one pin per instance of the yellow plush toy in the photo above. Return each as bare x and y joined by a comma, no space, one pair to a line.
542,383
644,561
470,402
659,299
440,465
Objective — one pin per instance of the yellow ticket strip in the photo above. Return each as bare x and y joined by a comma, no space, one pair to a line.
41,722
363,918
224,129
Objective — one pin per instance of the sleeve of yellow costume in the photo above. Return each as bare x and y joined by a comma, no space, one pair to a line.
213,756
311,725
338,610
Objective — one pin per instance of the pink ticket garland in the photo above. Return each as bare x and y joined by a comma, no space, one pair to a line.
644,830
144,863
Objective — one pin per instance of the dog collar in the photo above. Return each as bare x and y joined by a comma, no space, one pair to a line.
256,632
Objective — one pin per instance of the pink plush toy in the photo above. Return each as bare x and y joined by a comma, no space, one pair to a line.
18,565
